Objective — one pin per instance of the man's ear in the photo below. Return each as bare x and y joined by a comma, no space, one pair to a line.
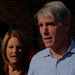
67,25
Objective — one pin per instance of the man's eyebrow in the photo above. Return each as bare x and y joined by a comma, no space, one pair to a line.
47,23
50,23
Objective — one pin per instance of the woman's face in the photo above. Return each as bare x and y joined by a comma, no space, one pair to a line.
14,50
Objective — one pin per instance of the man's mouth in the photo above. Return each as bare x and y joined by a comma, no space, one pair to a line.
48,38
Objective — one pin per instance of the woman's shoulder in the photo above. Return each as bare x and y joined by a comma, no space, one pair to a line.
2,69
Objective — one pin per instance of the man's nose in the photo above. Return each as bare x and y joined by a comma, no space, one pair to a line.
45,30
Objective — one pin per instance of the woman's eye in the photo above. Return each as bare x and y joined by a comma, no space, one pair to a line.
10,46
19,47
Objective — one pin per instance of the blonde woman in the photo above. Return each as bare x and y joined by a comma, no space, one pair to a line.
15,53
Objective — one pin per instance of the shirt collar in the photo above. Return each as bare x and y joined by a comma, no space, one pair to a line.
72,46
70,49
46,52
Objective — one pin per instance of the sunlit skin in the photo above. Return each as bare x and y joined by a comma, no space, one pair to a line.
14,50
53,32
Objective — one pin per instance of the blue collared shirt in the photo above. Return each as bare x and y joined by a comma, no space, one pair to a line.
44,64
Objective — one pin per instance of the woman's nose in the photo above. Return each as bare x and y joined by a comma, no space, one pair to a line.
15,49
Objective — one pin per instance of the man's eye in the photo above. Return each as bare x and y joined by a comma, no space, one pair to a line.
40,24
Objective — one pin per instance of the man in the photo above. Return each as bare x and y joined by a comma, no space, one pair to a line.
59,56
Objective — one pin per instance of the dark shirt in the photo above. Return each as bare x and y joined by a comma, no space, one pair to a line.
4,70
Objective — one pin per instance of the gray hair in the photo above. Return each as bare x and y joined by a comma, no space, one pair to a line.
57,10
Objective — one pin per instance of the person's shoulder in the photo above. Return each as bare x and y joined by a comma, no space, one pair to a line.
2,69
41,54
37,58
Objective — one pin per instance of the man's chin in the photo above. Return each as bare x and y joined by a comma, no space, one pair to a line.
48,45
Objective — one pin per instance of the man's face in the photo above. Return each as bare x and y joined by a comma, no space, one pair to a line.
52,31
